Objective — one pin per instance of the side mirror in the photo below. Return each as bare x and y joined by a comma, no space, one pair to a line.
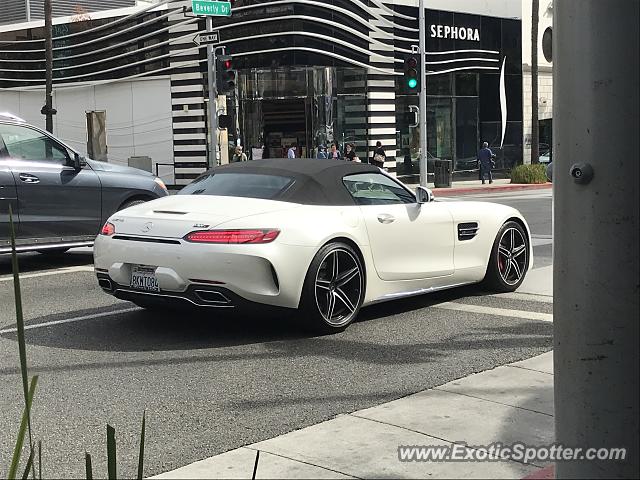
424,195
77,162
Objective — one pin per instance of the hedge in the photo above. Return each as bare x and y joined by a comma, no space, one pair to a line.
529,174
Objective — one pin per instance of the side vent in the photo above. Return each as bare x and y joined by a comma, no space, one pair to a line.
467,231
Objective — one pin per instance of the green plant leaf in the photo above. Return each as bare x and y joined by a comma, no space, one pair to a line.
87,466
111,452
40,459
23,428
25,475
22,349
255,465
141,454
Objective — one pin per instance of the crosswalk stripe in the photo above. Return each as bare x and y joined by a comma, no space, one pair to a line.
501,312
71,320
58,271
525,297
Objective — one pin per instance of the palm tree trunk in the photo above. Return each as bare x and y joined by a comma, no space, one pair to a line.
535,146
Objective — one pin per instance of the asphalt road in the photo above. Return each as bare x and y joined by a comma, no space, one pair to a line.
209,383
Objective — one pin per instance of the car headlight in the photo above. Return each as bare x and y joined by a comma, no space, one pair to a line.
161,184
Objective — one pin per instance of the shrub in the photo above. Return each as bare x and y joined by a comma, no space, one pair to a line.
529,174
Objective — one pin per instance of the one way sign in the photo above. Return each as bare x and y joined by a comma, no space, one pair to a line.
212,38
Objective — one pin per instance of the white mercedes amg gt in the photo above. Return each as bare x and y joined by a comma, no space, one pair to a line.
326,237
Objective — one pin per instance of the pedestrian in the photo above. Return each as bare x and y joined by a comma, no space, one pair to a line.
335,153
238,155
485,162
350,153
322,152
379,155
291,153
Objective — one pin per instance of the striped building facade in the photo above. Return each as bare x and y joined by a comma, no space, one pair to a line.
351,53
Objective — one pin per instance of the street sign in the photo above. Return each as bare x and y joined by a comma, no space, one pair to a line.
211,8
212,38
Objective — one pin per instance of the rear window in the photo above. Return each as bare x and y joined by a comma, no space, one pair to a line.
248,185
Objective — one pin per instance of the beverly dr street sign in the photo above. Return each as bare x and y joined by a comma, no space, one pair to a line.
211,8
212,38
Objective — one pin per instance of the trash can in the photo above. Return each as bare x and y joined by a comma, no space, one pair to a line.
443,173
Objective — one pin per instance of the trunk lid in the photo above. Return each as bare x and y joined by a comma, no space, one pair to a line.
177,215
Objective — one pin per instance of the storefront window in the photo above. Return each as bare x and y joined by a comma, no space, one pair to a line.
440,84
306,106
440,127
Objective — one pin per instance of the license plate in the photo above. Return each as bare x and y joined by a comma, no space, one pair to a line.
144,278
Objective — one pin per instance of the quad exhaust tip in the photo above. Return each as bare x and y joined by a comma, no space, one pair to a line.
209,297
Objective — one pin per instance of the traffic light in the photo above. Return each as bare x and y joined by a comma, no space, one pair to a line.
412,75
225,75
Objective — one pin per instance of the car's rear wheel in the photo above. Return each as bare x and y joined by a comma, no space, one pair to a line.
509,260
333,290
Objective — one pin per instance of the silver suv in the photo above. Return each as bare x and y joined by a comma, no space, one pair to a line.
60,199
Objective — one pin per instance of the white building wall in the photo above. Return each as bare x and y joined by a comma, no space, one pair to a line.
490,8
545,75
138,114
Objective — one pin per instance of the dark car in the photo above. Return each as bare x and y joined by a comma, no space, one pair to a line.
58,198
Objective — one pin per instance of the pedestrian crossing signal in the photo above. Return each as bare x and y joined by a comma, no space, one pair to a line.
411,75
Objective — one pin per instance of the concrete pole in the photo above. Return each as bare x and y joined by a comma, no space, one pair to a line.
213,106
423,94
596,341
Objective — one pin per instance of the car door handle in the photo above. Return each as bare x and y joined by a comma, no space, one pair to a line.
26,178
386,218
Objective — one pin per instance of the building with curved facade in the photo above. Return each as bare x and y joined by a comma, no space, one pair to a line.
310,73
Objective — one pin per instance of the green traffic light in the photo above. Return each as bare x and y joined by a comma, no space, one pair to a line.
413,83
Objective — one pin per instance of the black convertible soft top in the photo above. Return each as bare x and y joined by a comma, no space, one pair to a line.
316,182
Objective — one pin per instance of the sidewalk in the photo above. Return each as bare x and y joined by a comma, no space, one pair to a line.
476,186
509,404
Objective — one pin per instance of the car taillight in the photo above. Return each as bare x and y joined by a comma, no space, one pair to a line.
233,236
108,229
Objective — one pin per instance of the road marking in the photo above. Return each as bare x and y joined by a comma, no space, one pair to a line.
501,312
71,320
58,271
526,297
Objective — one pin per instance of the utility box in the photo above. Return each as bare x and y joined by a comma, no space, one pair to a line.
443,173
142,163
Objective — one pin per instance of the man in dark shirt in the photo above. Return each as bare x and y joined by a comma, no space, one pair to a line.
485,160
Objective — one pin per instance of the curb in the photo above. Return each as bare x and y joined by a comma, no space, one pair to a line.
546,473
491,189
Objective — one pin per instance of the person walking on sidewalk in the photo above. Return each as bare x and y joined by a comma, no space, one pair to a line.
291,153
379,155
485,161
335,153
239,155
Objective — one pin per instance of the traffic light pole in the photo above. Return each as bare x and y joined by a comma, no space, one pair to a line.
213,106
423,95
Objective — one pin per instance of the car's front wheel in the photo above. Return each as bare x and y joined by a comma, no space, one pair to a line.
509,260
334,289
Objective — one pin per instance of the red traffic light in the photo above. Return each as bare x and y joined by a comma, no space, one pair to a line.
227,64
412,62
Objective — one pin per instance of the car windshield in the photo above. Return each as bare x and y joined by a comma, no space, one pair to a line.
249,185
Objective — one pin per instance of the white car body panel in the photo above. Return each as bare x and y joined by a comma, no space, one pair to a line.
417,253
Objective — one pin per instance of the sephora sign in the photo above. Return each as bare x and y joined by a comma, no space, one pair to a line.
455,33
